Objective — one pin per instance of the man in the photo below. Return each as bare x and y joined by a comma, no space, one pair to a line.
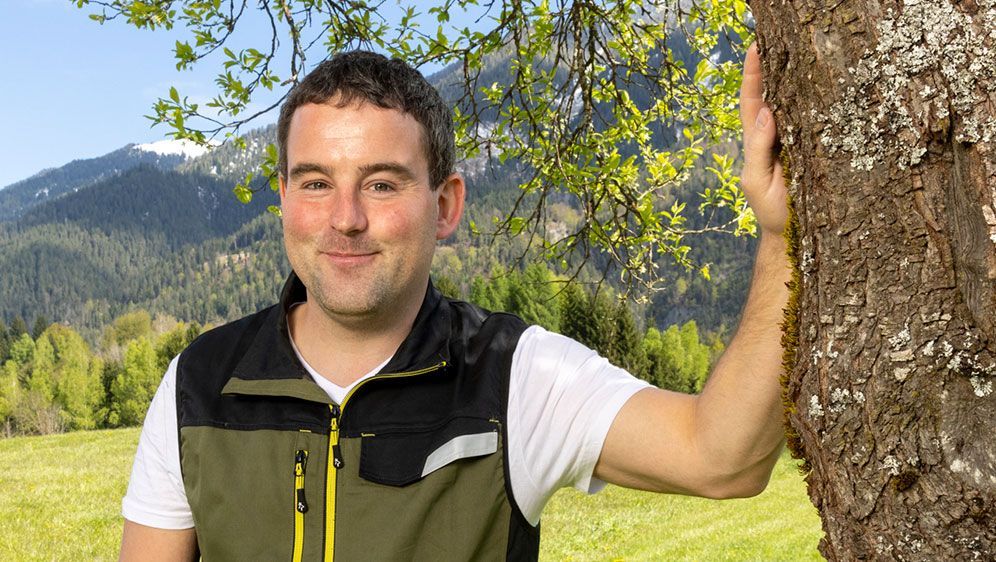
365,417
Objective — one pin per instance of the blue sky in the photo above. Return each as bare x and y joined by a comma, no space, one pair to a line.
71,88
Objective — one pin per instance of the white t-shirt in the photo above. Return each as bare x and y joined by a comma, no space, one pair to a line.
562,399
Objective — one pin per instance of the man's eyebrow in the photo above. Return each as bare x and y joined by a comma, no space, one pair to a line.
308,168
403,172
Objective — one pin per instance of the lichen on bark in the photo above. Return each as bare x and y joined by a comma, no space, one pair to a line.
929,69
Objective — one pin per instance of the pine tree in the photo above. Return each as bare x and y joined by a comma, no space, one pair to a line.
538,285
447,287
479,293
603,330
41,324
18,327
171,343
667,359
575,316
625,349
4,342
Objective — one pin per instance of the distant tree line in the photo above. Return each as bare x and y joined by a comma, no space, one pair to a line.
679,358
52,380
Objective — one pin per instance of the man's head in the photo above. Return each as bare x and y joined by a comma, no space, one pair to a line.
366,188
362,76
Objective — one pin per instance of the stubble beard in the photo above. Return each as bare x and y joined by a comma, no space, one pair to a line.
349,300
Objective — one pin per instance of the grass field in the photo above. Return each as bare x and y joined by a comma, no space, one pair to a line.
60,499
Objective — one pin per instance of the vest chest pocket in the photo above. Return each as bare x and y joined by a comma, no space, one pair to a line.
399,458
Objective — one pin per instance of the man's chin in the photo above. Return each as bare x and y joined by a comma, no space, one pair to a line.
349,306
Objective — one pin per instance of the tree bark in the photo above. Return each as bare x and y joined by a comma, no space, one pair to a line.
887,118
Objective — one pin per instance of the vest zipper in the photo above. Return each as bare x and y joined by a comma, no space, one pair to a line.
334,466
300,502
335,454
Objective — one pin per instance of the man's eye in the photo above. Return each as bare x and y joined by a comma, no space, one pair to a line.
382,187
315,185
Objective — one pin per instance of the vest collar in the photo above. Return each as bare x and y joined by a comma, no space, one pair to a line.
270,368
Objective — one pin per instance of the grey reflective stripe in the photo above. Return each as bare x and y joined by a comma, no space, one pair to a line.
463,446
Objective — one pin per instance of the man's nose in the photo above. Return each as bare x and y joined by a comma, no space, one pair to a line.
348,214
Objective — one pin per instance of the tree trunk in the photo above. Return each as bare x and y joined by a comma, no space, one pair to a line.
887,116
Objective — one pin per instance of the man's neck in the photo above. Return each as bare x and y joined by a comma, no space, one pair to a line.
344,349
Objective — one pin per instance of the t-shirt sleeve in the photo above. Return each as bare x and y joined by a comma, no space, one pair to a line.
562,400
155,496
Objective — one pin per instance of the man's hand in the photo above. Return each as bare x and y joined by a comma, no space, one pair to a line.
725,441
763,182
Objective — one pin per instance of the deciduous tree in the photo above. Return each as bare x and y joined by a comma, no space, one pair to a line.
887,116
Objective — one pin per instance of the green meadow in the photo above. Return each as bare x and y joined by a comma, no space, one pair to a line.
61,498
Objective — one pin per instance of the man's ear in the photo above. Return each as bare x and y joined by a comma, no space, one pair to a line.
450,197
283,187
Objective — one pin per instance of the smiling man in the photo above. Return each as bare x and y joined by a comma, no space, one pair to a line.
366,417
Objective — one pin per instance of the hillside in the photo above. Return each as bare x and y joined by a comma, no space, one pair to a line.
88,256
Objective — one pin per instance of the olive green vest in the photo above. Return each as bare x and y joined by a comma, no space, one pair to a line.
411,466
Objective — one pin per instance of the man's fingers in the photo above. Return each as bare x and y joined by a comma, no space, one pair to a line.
759,137
751,88
758,125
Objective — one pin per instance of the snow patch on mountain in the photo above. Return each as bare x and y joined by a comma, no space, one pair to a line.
173,147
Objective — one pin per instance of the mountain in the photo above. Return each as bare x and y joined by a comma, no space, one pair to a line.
19,197
176,208
87,256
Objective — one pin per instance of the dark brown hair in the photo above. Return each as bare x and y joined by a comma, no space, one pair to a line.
362,76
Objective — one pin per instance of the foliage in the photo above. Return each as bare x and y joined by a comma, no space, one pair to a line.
173,342
56,382
575,316
677,359
134,387
607,105
447,286
127,327
76,374
10,393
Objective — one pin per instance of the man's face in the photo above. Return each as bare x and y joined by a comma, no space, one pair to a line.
360,217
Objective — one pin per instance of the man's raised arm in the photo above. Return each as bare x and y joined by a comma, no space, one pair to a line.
725,441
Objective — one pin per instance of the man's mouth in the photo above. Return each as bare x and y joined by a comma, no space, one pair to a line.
349,258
